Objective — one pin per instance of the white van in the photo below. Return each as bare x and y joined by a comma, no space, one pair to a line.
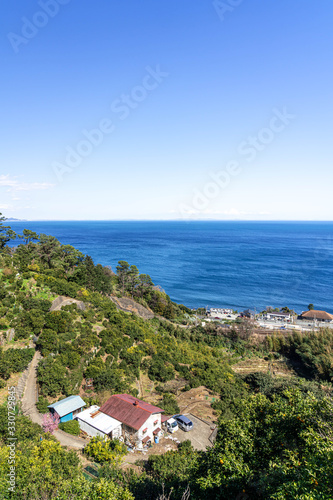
171,425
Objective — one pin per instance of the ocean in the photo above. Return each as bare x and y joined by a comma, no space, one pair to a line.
216,264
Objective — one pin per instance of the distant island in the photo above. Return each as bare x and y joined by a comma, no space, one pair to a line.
13,219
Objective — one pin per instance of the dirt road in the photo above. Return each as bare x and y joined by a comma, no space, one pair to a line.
29,409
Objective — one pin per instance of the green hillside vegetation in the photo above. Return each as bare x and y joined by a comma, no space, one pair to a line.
275,434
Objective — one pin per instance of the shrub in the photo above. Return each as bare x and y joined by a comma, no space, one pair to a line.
170,404
105,450
72,427
42,405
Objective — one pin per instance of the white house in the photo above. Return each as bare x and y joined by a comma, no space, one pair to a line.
278,316
140,421
95,423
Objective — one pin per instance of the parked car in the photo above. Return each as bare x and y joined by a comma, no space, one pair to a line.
183,422
172,425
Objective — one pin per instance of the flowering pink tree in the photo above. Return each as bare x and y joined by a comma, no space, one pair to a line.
50,422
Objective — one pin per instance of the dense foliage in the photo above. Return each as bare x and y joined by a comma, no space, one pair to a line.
275,435
105,450
45,470
312,351
14,360
71,427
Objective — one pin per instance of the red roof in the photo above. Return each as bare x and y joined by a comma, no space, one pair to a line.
156,431
146,439
129,410
164,418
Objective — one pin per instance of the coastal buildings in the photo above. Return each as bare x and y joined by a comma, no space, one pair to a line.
277,316
248,314
140,421
315,315
67,408
214,310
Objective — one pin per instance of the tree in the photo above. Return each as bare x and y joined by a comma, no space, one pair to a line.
105,450
29,236
311,307
170,404
70,258
6,233
133,278
48,248
145,283
123,270
52,377
246,328
50,422
47,342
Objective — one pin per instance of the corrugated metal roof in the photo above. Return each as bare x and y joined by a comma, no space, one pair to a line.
129,410
141,404
67,405
100,421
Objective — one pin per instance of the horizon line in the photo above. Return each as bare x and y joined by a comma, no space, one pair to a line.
167,220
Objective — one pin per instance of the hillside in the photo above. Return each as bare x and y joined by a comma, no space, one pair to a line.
101,333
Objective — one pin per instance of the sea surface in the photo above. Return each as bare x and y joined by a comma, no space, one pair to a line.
215,264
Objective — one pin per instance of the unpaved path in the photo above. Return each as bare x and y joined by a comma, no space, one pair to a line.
29,409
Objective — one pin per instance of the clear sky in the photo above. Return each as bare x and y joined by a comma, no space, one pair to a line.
166,109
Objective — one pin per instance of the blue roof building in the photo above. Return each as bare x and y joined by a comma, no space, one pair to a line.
67,408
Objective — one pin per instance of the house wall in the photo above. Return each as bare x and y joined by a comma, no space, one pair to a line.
77,411
150,426
93,432
277,316
67,417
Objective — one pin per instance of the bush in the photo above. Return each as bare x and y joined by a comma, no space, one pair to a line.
105,450
72,427
170,404
42,405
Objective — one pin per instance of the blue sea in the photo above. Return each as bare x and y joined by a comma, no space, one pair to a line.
215,264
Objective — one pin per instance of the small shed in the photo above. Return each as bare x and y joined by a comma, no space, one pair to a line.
67,408
96,423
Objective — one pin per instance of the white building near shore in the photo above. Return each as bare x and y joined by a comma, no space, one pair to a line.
278,316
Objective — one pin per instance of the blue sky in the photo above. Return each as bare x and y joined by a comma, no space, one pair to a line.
166,110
